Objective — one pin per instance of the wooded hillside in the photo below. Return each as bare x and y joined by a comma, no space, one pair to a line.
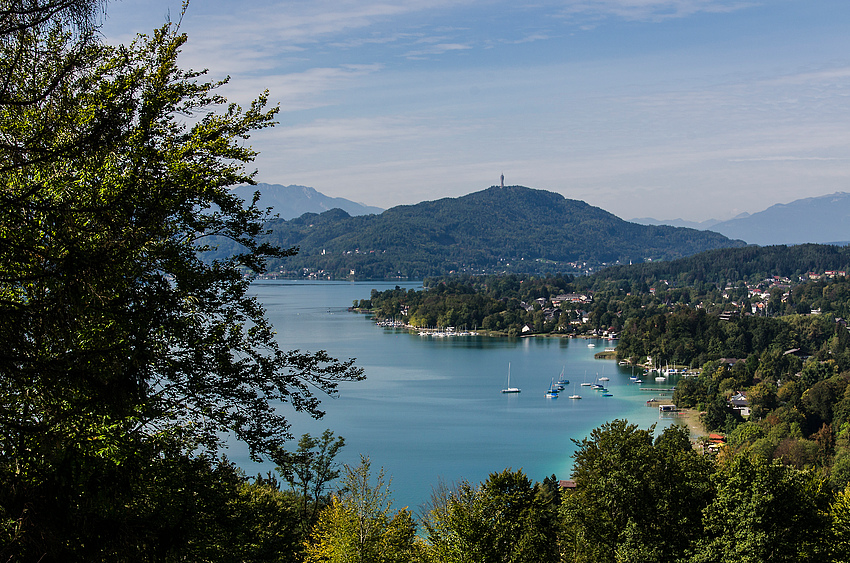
512,229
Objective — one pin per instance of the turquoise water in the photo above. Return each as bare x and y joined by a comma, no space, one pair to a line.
431,409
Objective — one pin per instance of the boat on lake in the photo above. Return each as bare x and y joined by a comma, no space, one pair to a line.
561,383
510,389
552,393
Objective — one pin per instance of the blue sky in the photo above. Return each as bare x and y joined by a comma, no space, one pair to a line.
696,109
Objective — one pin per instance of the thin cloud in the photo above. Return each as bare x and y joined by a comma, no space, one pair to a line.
649,10
811,77
310,22
376,39
530,38
787,159
310,89
438,49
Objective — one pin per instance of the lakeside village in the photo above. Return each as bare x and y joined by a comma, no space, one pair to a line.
759,295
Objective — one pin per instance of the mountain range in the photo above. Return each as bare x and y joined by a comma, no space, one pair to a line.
288,202
510,229
823,220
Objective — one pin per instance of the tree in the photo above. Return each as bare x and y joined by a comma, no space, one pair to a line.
840,516
118,336
631,489
765,511
359,525
456,525
505,519
308,470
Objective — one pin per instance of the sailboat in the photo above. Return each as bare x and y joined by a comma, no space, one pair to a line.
603,378
575,395
510,389
660,376
552,393
561,381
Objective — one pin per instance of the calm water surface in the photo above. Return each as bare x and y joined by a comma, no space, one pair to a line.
431,409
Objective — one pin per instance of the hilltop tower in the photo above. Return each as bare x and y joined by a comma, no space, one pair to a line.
503,180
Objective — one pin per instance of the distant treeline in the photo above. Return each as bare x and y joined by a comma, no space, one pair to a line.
731,265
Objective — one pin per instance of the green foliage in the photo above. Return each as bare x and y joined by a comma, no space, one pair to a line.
359,525
308,470
165,506
764,511
840,516
722,267
492,303
124,352
639,499
506,518
631,490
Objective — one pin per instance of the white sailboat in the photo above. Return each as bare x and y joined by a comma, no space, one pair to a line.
660,376
510,389
575,395
603,378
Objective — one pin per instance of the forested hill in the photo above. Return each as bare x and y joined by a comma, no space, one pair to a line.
511,229
724,266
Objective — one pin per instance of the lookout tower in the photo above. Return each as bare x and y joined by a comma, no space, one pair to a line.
503,180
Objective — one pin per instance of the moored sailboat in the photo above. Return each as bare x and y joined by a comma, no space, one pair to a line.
510,389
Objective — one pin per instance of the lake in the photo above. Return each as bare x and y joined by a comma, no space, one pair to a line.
431,409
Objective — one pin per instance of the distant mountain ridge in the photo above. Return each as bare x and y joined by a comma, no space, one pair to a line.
294,201
820,220
510,229
823,219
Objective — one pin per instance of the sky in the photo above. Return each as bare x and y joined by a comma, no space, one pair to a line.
692,109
